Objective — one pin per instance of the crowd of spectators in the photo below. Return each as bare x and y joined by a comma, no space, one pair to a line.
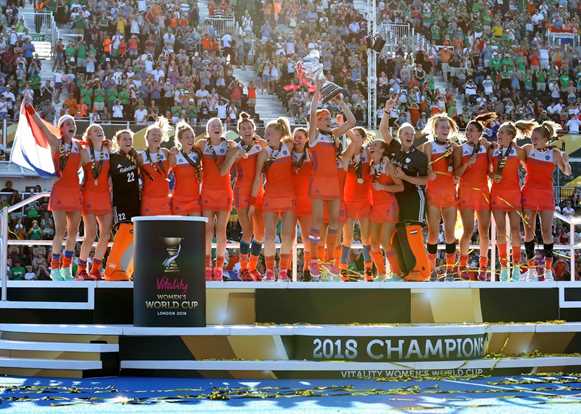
140,59
519,59
125,61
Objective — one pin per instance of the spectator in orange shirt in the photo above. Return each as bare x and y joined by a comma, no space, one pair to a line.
107,46
72,105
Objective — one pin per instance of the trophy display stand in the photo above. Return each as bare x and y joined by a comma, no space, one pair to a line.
169,287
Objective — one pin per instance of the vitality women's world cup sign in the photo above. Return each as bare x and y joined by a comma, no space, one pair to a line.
169,287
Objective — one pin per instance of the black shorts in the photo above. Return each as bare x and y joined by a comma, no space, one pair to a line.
412,205
125,212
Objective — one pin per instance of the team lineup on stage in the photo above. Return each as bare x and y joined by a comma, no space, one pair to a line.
309,177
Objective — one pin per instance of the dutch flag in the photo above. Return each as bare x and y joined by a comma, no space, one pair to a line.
31,149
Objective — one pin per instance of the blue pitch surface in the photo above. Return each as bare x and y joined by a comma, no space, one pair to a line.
515,394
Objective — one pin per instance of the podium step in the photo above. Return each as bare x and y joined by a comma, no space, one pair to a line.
15,345
343,366
56,364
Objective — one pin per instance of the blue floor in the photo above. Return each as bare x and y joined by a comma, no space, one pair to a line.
518,394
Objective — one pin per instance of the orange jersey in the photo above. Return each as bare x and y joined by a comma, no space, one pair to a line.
66,191
477,174
279,193
510,178
537,192
185,198
325,178
473,192
155,194
505,194
301,183
245,170
96,194
357,188
216,190
441,191
385,208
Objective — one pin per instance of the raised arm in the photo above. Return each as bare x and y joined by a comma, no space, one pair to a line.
354,146
350,121
53,140
384,124
313,115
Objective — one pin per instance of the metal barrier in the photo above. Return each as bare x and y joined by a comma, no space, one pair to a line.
396,36
222,24
4,237
572,247
562,38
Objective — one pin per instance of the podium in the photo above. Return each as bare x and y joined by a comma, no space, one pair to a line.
169,287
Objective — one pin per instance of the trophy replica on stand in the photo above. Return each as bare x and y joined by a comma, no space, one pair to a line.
311,68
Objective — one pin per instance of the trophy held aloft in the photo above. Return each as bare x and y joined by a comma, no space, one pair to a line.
311,68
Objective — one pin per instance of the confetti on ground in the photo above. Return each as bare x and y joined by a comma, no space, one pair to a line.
521,393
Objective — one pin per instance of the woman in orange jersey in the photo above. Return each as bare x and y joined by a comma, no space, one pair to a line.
505,195
441,188
275,165
357,198
538,192
302,171
385,212
97,209
65,197
471,165
154,169
216,192
325,189
186,165
249,209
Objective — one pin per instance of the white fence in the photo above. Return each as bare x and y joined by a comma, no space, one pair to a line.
571,248
222,24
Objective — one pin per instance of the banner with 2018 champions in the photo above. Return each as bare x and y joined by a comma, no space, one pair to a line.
169,287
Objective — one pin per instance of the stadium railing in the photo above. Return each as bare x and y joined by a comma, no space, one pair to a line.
222,24
572,247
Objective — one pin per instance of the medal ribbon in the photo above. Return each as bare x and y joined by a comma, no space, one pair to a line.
502,163
97,165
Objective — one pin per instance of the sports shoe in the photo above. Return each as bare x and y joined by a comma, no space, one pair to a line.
269,276
549,275
255,276
368,275
306,275
315,271
208,274
505,274
516,275
283,275
55,274
67,273
393,278
245,276
483,275
218,274
82,275
531,275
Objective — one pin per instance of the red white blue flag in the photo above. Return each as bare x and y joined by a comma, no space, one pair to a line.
31,149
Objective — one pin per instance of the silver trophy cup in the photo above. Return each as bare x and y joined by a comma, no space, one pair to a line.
313,70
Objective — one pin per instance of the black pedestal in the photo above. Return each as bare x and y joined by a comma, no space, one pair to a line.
169,287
